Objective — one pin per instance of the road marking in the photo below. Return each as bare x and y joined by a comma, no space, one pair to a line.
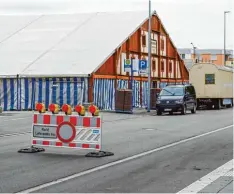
208,179
119,161
16,119
14,134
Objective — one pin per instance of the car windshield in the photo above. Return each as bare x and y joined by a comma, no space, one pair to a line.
172,91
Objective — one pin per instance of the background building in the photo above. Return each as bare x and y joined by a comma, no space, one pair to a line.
74,58
215,56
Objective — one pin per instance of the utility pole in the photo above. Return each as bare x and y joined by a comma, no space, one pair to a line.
149,58
194,52
225,12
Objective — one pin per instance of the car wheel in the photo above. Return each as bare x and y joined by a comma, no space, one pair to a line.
159,113
184,111
194,109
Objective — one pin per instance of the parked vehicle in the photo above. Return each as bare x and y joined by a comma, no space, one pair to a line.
177,98
213,84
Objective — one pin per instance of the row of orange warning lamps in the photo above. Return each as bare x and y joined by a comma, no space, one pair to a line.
67,109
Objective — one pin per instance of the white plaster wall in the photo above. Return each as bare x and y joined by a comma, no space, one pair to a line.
154,36
178,74
121,64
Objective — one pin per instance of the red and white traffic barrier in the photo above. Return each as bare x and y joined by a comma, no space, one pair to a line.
66,130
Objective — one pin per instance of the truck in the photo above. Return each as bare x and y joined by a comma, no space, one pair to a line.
213,85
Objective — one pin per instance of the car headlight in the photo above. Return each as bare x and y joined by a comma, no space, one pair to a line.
158,102
179,101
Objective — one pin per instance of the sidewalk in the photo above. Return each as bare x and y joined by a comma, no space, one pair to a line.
223,184
218,181
227,189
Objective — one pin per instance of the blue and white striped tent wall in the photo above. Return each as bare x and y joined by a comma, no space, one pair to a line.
104,93
9,93
122,84
22,94
144,93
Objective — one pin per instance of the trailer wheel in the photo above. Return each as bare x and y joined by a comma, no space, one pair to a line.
218,104
210,107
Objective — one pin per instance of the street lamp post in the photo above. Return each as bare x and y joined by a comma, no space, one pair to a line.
225,12
149,58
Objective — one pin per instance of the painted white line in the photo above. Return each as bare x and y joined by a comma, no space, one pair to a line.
14,134
119,161
16,119
208,179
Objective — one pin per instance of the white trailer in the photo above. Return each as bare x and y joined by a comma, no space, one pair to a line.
213,85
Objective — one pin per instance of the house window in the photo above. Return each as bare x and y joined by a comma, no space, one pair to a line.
144,40
153,65
162,66
209,78
170,66
162,44
183,56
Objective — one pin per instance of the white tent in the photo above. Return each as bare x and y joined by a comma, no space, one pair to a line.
62,45
41,51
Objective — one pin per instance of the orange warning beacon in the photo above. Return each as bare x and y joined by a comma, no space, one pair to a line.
80,110
67,109
94,110
40,107
54,108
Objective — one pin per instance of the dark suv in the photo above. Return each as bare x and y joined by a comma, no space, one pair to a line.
176,98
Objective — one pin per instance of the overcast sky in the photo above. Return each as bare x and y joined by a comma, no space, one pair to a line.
197,21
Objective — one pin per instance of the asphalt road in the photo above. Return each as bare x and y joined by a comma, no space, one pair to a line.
167,171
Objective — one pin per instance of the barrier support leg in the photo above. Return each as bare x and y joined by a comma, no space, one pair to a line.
99,154
31,149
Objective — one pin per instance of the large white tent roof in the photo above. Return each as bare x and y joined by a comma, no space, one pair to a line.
62,44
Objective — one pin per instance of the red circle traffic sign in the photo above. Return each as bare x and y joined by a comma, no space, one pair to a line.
66,132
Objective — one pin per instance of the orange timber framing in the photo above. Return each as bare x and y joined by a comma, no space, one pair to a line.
108,70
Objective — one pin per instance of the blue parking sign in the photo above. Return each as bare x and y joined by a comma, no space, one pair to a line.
142,64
